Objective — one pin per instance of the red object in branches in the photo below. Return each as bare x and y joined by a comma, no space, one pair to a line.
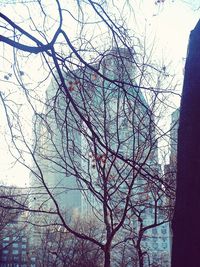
94,76
71,88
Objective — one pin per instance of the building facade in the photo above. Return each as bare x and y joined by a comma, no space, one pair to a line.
15,244
96,143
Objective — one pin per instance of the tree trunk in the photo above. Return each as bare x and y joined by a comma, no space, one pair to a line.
186,221
141,259
107,257
140,253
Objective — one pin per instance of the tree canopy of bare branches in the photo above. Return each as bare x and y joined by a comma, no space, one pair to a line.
93,146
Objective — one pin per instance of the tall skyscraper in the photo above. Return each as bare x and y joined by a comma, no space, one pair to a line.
96,153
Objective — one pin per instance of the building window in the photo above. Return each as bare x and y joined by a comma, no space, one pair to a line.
163,231
4,258
15,245
15,252
24,246
5,251
155,245
16,258
5,244
154,231
24,259
164,245
33,259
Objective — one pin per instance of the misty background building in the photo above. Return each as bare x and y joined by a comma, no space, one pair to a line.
69,160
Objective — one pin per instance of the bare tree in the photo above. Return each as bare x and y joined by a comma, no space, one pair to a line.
58,247
6,216
95,133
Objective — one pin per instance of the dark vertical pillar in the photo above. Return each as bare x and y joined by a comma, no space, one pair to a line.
186,221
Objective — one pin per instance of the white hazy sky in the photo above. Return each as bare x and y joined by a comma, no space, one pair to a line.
170,24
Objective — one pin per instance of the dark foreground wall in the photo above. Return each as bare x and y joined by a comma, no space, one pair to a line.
186,222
